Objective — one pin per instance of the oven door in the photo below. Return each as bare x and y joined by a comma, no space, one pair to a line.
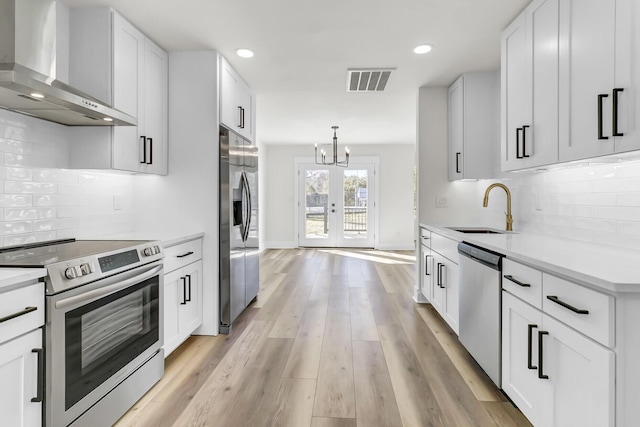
97,335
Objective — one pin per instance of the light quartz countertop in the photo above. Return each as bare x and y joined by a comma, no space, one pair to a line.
13,276
605,267
168,239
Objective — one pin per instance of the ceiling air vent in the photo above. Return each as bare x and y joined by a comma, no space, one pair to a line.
368,80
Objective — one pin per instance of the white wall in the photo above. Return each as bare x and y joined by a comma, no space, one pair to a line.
395,179
594,202
40,199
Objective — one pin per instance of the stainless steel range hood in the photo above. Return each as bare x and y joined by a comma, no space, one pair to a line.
28,82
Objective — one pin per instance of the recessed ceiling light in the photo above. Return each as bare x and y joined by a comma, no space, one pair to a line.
37,95
423,48
244,53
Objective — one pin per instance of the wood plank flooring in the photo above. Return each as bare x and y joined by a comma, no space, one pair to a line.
334,340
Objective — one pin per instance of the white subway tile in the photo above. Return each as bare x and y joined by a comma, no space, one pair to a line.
56,176
20,214
628,199
629,228
16,174
16,187
29,238
15,200
15,227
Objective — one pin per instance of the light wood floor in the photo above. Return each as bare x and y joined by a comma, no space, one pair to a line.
335,339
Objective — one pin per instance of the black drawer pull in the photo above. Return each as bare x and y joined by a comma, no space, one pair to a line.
184,255
27,310
565,305
517,282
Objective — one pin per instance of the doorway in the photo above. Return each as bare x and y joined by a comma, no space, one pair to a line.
336,206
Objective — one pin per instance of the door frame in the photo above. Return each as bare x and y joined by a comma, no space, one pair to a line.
376,191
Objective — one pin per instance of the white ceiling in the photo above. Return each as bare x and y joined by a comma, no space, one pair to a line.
304,47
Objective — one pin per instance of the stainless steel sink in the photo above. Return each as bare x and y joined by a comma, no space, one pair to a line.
477,230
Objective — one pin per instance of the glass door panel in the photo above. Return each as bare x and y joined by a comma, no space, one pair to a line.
317,215
336,207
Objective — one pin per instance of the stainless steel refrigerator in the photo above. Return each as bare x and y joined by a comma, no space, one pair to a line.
239,262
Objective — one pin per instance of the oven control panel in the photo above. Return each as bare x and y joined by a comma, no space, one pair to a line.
117,257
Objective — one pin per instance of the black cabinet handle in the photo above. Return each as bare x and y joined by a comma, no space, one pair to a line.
240,117
600,98
426,265
530,328
541,375
458,163
516,281
150,162
184,291
184,255
614,128
440,284
188,299
518,155
242,122
40,391
524,141
565,305
27,310
144,149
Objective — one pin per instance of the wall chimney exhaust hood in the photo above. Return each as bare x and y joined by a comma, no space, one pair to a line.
28,82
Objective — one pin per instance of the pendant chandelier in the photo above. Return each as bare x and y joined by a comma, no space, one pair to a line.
323,155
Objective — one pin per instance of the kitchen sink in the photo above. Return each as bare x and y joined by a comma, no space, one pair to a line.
477,230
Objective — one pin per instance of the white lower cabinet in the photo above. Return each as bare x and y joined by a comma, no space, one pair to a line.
183,304
182,293
20,400
21,354
555,375
444,279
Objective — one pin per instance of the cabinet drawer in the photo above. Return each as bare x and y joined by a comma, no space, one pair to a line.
523,282
20,303
445,247
425,237
586,310
182,254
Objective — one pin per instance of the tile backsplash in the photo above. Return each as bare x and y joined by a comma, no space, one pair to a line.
41,199
597,203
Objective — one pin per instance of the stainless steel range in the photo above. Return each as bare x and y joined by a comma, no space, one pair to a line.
103,332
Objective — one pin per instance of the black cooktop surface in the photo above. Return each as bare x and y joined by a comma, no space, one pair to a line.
46,253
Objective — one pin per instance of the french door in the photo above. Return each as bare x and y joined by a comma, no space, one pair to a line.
336,205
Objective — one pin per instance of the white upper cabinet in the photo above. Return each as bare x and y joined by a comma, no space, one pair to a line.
587,64
473,126
529,127
114,62
237,102
627,76
600,107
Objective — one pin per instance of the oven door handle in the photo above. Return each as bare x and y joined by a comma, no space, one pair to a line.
107,290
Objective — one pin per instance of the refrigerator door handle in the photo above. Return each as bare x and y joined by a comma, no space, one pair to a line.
245,199
248,206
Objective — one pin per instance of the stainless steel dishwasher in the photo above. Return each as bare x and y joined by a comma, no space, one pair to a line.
480,307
